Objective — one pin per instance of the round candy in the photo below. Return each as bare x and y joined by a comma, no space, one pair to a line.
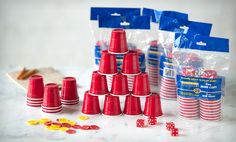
71,131
66,125
76,126
94,127
83,117
85,127
64,128
32,122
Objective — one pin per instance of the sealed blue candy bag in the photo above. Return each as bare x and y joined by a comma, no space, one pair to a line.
202,64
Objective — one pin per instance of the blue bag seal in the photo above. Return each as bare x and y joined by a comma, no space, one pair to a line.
96,12
125,22
155,14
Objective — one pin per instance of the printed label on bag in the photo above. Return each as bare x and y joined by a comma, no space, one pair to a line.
200,88
167,67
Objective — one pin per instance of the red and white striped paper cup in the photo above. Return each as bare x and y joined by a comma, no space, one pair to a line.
210,110
188,107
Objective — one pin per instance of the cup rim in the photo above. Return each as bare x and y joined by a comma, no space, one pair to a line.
131,74
34,99
98,94
120,95
107,73
118,52
63,100
50,107
54,111
142,96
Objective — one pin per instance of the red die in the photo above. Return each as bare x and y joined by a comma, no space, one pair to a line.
209,74
140,123
175,132
152,120
170,126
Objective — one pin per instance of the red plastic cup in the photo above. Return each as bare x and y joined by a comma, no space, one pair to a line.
98,84
51,96
141,87
152,106
118,43
69,94
90,104
131,63
69,89
35,87
111,106
132,105
107,63
119,85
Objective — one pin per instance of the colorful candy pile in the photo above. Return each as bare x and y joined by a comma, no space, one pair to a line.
62,124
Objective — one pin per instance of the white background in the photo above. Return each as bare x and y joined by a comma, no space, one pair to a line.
57,32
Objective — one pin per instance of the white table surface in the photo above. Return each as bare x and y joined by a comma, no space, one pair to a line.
14,113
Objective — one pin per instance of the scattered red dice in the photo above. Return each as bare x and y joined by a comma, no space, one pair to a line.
209,74
140,123
175,132
152,120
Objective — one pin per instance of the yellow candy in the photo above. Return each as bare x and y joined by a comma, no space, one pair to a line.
63,120
71,122
83,117
43,120
32,122
64,128
53,127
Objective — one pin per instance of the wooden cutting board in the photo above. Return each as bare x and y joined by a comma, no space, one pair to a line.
50,75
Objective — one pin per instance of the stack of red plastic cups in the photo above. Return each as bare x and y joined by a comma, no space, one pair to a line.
210,109
98,87
51,100
118,46
131,67
188,107
69,94
35,91
168,89
108,66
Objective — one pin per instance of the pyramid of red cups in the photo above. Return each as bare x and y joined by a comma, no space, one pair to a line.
130,83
